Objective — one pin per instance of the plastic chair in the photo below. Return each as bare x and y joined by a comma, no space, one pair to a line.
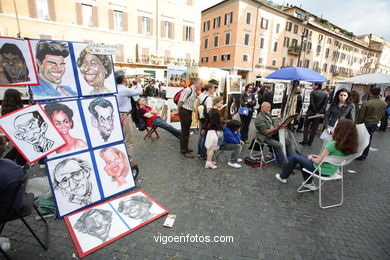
337,161
20,212
253,154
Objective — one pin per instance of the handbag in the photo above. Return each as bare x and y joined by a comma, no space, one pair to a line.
243,111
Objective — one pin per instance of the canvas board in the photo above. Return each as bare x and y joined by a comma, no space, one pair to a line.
234,84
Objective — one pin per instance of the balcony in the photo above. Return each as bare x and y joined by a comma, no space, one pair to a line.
294,50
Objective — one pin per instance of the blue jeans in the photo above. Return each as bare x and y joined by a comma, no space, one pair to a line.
301,160
164,125
371,128
201,148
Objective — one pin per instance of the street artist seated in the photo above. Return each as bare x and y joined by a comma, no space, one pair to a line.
267,132
153,119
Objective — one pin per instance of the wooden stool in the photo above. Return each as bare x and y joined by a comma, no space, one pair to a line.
150,131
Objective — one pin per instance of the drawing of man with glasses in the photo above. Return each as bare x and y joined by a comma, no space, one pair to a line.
71,177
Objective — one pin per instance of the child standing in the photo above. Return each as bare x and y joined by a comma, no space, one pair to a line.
214,127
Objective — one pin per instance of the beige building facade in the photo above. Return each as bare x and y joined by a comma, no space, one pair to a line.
148,32
253,39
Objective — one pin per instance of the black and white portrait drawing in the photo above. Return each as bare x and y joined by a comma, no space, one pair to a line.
16,63
95,222
32,132
114,169
66,118
74,182
94,70
55,70
102,120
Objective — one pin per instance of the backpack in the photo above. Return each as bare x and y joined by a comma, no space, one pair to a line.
176,98
202,110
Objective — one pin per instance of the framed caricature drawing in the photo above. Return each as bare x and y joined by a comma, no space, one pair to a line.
102,120
66,118
114,169
55,70
95,71
17,66
31,132
73,182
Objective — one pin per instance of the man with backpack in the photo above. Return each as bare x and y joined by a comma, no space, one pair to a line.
186,107
205,104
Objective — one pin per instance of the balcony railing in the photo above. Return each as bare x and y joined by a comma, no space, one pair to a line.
294,50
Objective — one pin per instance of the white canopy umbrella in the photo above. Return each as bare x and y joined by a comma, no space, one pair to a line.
370,79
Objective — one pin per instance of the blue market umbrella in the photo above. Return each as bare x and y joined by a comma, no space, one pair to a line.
298,73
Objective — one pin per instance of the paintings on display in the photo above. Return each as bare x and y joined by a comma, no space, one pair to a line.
158,105
363,91
55,70
177,79
17,65
31,132
278,93
102,224
234,84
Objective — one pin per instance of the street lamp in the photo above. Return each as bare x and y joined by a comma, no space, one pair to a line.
304,34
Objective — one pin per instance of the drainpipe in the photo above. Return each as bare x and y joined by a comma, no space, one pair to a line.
254,41
156,27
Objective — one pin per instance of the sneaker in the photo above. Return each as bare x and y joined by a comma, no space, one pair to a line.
234,165
210,165
239,160
280,178
310,186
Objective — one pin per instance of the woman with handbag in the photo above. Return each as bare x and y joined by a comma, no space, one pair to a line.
247,103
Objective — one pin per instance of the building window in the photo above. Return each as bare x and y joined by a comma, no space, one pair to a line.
288,26
296,28
215,58
246,39
260,60
324,67
274,63
206,43
206,26
248,18
294,42
306,65
228,18
87,15
217,22
284,61
308,46
189,33
291,62
277,28
286,42
320,37
43,9
275,46
327,53
244,57
261,43
216,41
118,20
227,38
205,59
318,49
168,30
145,24
306,32
225,57
264,23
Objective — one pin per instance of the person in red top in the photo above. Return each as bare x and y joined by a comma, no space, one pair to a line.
153,119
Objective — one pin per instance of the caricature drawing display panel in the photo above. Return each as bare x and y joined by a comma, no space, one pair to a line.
16,63
73,182
102,120
95,71
66,118
31,132
55,70
96,226
114,169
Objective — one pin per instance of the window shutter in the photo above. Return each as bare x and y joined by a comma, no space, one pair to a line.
192,34
110,19
79,16
151,26
184,32
32,8
125,22
120,58
52,12
95,16
139,24
225,19
173,31
162,29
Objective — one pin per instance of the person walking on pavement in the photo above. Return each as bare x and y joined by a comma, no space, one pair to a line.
186,107
370,114
318,102
247,100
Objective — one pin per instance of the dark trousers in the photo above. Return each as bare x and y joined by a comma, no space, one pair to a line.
185,123
313,125
245,122
164,125
371,128
384,122
303,161
202,139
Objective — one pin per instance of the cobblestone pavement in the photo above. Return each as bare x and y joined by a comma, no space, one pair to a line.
267,219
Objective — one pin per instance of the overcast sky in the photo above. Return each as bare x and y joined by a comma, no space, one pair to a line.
357,16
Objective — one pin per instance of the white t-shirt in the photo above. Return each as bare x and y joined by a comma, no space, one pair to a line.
209,101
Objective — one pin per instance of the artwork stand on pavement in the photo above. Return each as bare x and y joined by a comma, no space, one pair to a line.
97,226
